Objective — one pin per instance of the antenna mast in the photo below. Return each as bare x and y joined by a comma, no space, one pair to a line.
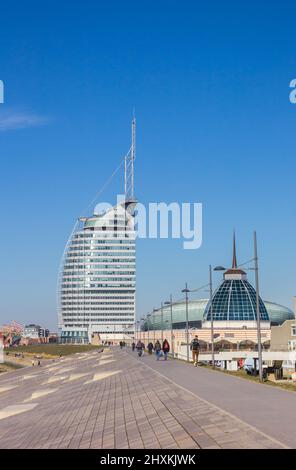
129,166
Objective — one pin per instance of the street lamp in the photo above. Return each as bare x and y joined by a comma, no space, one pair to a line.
256,268
137,336
186,291
167,322
171,304
141,319
217,268
148,317
161,322
154,311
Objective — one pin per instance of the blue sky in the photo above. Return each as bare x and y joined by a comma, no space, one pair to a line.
210,84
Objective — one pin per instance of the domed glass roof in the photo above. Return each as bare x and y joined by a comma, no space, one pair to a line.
235,300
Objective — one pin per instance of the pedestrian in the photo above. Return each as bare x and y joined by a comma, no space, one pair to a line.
143,348
157,349
165,348
121,344
150,348
133,346
194,346
139,348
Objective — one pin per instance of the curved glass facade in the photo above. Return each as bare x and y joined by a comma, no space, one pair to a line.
278,313
196,309
97,282
196,313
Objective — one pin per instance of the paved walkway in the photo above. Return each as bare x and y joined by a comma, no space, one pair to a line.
269,409
116,400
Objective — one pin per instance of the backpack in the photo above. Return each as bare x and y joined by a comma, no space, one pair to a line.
194,345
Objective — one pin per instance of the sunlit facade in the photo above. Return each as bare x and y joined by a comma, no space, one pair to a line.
98,277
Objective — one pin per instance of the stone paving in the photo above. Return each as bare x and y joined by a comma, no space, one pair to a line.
112,400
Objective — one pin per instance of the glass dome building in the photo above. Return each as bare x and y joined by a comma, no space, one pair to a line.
234,306
234,302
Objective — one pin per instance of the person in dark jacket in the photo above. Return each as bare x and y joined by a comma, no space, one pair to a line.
133,346
150,348
157,349
165,348
139,348
194,346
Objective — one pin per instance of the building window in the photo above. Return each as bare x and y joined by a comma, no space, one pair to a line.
292,345
293,330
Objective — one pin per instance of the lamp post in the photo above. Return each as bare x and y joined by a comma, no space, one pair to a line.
148,317
161,322
258,308
171,304
141,320
167,323
217,268
137,330
154,311
212,319
186,290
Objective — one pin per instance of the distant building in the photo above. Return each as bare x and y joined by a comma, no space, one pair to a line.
234,313
283,337
53,338
35,331
277,314
234,302
11,333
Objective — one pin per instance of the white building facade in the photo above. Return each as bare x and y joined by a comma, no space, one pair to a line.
98,279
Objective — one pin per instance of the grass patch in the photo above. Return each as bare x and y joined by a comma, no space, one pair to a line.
243,375
52,350
9,366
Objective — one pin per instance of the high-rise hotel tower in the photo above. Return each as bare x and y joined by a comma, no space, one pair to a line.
97,284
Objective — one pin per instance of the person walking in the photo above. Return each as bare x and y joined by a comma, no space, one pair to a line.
139,348
157,349
150,348
194,346
143,348
165,348
133,346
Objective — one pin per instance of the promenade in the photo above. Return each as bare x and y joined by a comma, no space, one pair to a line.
117,400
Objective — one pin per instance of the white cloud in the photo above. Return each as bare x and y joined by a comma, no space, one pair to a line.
20,120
